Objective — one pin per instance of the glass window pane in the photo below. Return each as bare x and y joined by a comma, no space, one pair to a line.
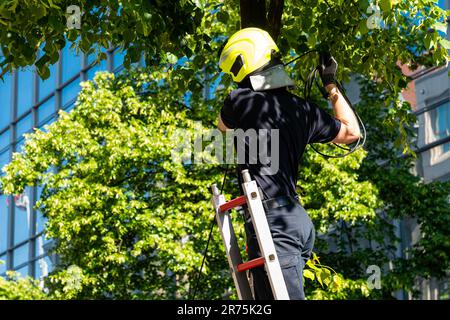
71,63
48,122
70,92
40,249
22,216
23,272
19,145
119,56
4,159
91,57
3,223
4,139
46,109
43,267
43,246
25,125
5,100
446,147
24,91
446,120
20,255
48,85
40,222
2,265
40,219
441,122
101,65
69,107
91,72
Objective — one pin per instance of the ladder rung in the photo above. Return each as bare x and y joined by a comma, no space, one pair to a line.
251,264
239,201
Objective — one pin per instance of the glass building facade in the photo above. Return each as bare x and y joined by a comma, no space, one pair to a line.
28,102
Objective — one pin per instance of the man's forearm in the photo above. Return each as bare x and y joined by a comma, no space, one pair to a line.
343,111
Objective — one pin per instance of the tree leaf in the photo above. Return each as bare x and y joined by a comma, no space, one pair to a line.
308,274
385,6
440,26
445,43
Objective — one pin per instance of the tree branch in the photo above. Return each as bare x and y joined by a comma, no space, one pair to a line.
274,17
253,14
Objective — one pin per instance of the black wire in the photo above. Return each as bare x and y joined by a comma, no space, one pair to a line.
341,147
308,86
199,272
301,56
312,77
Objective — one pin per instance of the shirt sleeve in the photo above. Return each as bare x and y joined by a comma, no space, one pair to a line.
227,113
323,126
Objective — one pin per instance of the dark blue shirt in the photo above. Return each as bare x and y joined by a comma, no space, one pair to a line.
299,122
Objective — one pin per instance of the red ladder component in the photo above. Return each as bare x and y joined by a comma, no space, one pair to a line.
239,201
258,262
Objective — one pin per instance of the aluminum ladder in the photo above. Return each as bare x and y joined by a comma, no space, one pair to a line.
269,258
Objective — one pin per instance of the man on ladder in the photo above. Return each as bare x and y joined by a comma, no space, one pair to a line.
262,101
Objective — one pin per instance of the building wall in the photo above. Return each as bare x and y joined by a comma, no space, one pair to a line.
429,95
433,113
432,97
27,102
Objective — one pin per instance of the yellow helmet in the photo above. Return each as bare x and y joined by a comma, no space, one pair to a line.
246,51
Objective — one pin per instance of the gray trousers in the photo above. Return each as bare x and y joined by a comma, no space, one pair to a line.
293,235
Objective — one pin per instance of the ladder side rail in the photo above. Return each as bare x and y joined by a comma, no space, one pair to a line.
264,237
231,246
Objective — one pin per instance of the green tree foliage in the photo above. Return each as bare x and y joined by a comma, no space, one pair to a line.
132,222
14,287
349,244
154,27
363,40
121,209
129,222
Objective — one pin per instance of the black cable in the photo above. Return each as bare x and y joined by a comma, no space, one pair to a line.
341,147
308,86
312,77
197,281
301,56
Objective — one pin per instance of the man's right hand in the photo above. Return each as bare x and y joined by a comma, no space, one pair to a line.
328,68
